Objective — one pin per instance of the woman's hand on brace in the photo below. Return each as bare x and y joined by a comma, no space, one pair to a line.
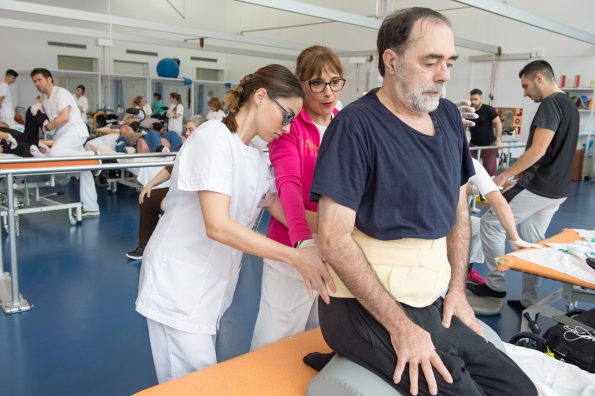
520,244
311,266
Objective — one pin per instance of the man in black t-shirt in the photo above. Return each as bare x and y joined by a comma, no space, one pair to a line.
546,165
482,133
394,225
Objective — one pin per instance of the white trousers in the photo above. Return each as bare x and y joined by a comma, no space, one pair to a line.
177,353
285,308
532,214
72,145
475,249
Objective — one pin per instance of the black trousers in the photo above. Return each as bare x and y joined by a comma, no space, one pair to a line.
477,367
23,148
149,211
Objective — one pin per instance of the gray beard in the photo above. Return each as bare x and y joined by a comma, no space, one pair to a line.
423,104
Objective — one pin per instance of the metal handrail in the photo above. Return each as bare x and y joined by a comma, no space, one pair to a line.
84,157
18,303
503,147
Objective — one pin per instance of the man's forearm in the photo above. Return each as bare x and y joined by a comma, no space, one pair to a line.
528,158
457,245
349,262
498,127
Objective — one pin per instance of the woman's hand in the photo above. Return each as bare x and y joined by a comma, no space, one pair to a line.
145,191
310,265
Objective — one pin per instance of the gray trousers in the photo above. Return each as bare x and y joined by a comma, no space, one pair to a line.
532,214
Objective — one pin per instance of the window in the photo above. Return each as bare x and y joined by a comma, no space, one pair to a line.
209,74
79,63
131,68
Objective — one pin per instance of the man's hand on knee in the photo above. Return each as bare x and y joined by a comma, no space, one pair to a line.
455,303
414,346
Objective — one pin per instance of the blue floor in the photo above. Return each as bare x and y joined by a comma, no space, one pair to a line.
83,335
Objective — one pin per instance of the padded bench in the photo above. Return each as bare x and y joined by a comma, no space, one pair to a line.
278,369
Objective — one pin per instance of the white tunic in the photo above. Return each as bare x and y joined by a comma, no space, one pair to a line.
176,124
58,100
82,103
187,280
482,180
216,115
6,110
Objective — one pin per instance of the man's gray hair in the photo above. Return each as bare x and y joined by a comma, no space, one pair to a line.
197,119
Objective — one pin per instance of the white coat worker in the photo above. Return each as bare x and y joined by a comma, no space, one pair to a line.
6,107
70,132
219,180
81,101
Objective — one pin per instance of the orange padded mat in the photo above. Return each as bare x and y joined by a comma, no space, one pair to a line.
515,263
276,369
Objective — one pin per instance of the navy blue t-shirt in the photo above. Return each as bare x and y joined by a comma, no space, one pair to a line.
400,182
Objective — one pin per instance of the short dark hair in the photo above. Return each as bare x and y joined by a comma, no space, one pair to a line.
476,91
12,73
81,87
157,95
395,31
538,66
44,72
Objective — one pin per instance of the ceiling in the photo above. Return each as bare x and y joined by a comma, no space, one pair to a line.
239,24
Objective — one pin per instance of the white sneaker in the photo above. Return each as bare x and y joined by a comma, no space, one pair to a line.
34,150
90,213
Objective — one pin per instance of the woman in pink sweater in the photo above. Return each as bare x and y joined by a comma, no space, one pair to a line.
287,305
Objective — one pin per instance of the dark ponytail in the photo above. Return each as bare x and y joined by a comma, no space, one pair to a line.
278,80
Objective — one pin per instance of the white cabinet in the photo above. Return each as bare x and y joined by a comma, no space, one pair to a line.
585,97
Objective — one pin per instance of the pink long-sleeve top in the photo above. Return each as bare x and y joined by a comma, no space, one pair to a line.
293,157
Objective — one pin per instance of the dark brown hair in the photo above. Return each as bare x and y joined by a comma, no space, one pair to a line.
531,69
216,103
44,72
314,60
278,80
395,31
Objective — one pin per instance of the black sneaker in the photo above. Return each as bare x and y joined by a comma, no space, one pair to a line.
136,254
485,291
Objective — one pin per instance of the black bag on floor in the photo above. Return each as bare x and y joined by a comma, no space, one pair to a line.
574,345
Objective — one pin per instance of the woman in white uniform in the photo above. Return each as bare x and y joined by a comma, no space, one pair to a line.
218,182
175,113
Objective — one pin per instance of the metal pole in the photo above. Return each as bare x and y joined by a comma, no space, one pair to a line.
12,238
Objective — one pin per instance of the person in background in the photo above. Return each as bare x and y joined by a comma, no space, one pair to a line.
151,198
175,113
546,165
157,105
146,107
6,106
69,132
482,183
218,184
154,140
215,110
482,133
285,306
81,101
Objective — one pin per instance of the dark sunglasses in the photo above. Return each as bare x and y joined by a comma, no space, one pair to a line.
288,116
